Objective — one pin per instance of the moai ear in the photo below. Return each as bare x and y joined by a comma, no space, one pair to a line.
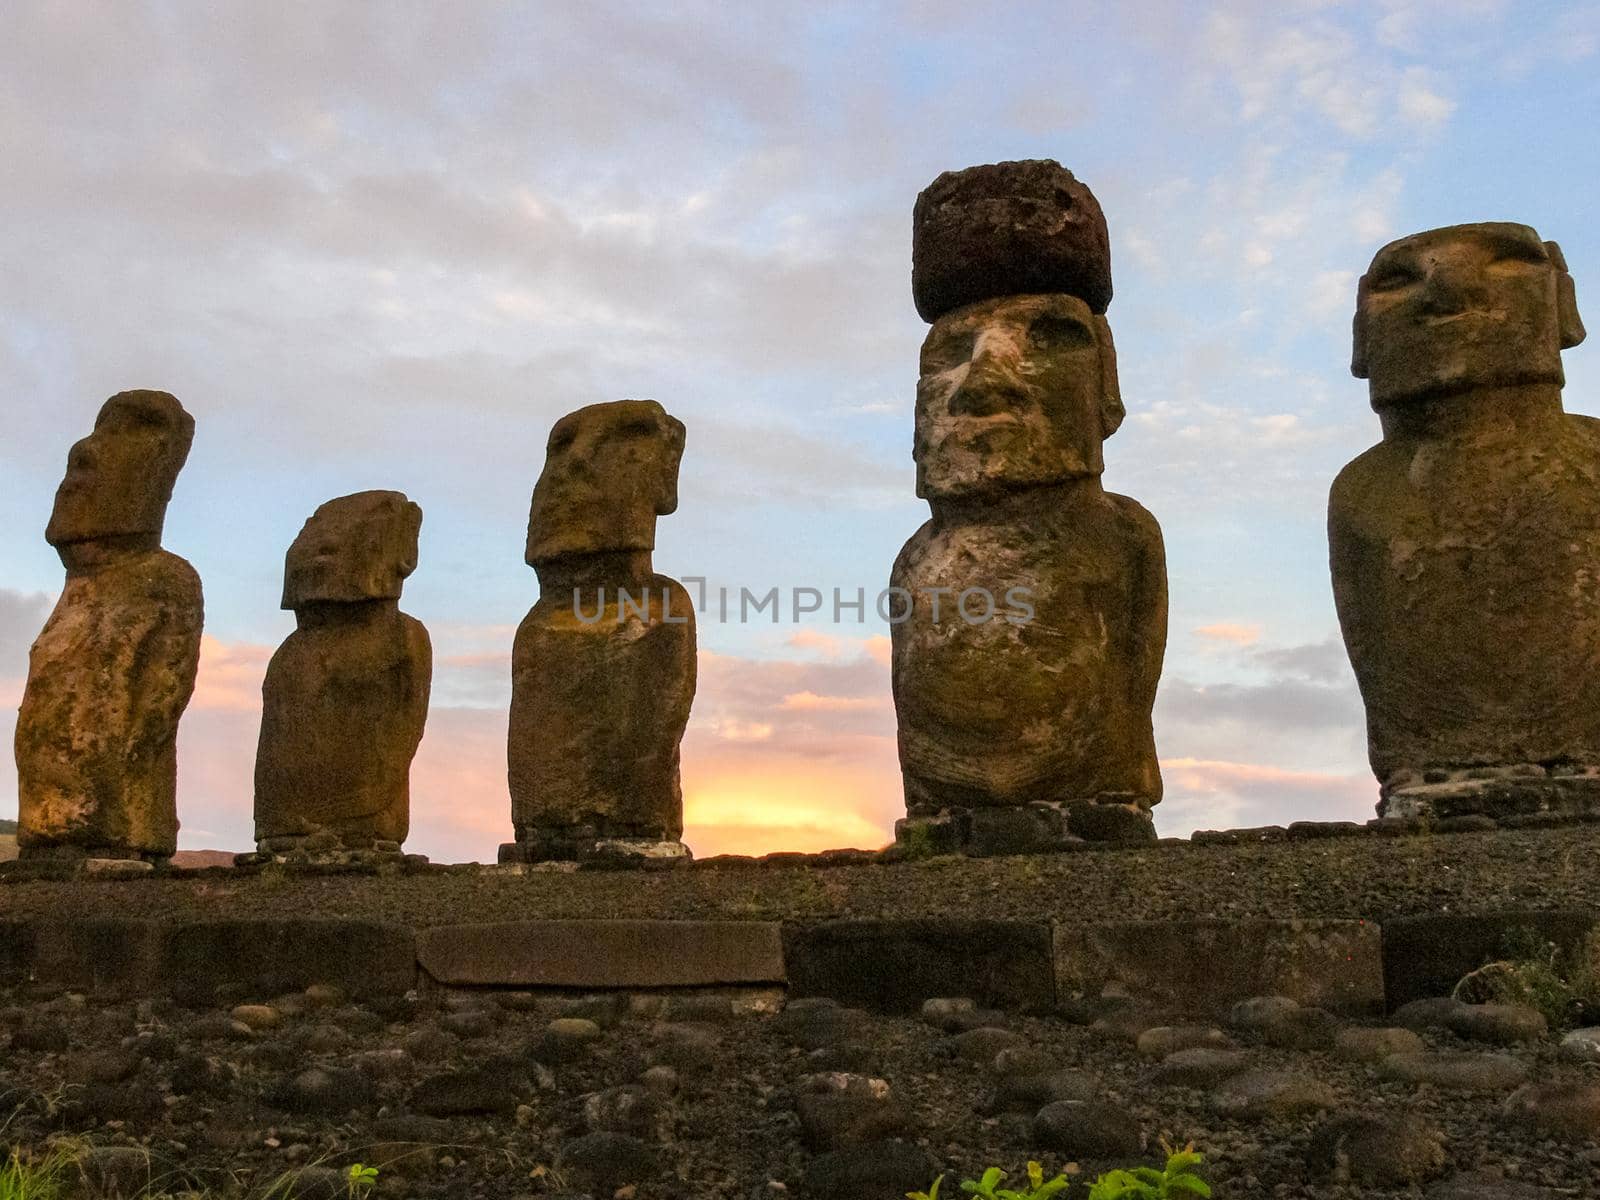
1572,331
407,527
1111,410
1358,333
673,432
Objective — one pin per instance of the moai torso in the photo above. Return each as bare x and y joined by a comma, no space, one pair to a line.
113,669
345,697
1054,708
598,710
1023,707
603,667
1465,547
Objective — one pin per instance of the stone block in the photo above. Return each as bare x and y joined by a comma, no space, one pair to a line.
1204,966
204,962
603,954
102,956
894,965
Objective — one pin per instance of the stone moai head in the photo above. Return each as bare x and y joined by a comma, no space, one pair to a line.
355,548
119,478
1463,307
1018,388
609,471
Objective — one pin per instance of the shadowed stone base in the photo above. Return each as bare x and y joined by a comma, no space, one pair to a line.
325,849
1041,828
582,844
1496,792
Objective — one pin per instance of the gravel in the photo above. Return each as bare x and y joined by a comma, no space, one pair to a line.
1370,876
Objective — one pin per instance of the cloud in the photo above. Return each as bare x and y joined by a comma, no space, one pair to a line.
22,616
1231,632
1213,794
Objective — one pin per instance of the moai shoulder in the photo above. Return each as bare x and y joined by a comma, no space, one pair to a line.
114,667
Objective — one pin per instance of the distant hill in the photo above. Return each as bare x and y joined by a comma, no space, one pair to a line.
203,858
183,858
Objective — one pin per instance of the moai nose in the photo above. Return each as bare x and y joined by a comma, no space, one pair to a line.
81,457
1451,287
990,383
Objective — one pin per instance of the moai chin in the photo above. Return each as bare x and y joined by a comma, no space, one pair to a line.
114,667
1465,546
1029,615
346,695
603,668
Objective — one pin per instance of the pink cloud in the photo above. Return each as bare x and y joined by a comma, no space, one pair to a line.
1216,794
230,675
1227,631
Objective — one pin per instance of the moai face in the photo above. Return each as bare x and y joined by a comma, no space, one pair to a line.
609,471
355,548
119,478
1467,306
1014,392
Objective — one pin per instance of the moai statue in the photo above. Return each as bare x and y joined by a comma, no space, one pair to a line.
346,695
1465,546
1029,615
112,672
603,669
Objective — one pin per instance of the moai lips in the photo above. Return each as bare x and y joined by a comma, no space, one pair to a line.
114,667
1035,602
346,696
1464,546
603,667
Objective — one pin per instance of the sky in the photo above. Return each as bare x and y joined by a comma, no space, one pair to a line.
386,246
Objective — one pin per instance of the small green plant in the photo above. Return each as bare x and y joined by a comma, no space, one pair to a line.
24,1180
1178,1179
361,1179
988,1188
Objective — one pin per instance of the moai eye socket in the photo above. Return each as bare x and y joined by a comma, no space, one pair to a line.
947,350
1058,333
1392,276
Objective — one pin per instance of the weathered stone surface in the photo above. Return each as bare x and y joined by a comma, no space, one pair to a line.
869,1172
114,667
1374,1045
1457,1070
603,954
1582,1045
837,1109
1502,1024
1562,1108
346,695
1392,1150
1462,544
1201,1066
1424,957
1163,1040
1255,1095
894,965
1088,1129
1005,229
603,668
1205,966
